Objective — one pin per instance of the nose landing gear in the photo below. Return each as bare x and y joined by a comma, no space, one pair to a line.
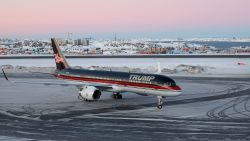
160,102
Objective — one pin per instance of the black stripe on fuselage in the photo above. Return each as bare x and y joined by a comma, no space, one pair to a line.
152,79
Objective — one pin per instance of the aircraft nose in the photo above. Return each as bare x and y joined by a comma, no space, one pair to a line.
177,88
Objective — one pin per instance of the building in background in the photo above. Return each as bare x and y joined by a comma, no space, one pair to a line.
82,42
3,50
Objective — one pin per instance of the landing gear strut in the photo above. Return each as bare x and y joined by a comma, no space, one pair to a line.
116,96
160,102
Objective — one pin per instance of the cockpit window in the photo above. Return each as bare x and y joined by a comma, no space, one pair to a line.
170,84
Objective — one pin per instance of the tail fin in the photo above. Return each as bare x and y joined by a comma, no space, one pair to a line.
60,60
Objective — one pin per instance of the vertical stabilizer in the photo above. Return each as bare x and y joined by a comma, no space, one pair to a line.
60,60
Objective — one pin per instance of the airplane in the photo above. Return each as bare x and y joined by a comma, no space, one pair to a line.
94,82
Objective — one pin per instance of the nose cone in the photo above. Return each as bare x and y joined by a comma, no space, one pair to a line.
177,90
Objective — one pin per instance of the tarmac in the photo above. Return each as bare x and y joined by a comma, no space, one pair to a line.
209,109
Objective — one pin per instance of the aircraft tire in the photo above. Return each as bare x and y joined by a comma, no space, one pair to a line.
159,106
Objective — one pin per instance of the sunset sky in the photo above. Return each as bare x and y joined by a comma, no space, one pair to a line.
127,18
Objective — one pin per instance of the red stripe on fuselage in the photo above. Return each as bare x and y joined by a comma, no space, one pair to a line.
123,83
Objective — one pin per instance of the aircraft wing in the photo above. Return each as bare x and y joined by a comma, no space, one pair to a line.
62,83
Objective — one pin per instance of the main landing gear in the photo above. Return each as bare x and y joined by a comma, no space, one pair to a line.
116,95
160,102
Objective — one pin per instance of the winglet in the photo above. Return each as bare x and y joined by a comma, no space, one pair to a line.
4,74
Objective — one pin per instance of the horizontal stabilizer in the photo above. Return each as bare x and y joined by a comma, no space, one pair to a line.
4,74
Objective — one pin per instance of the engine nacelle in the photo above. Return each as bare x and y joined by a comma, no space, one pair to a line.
90,93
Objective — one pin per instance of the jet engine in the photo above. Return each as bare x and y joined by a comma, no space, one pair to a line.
89,93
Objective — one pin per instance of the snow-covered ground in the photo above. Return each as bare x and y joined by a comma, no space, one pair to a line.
179,66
